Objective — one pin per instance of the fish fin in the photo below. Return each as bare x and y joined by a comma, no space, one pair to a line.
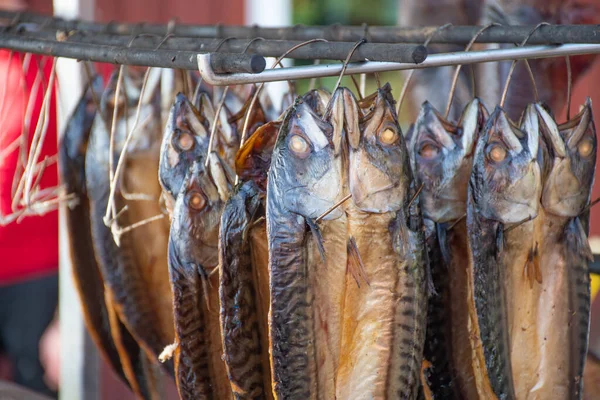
253,159
355,265
499,240
316,234
576,240
427,392
443,242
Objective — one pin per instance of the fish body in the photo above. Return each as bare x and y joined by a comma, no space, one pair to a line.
504,190
244,284
133,324
121,270
305,180
86,274
559,296
442,155
193,258
384,312
243,316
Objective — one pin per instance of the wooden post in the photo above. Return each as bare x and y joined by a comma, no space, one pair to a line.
79,359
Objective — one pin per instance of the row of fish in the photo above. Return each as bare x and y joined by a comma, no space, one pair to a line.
325,254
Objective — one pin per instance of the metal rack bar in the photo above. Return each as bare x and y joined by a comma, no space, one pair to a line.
109,54
552,34
407,53
434,60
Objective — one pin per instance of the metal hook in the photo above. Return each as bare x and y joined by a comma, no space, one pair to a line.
412,71
459,66
514,63
345,65
257,92
569,86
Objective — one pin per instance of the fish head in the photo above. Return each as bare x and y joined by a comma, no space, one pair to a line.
442,154
254,158
196,218
185,141
379,169
572,149
506,182
305,173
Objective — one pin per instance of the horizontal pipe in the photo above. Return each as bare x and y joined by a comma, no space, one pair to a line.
408,53
552,34
128,56
434,60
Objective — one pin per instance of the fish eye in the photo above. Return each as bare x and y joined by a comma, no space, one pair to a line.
497,153
429,151
299,146
185,141
585,147
196,201
388,136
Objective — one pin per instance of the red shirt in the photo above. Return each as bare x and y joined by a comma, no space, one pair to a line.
30,248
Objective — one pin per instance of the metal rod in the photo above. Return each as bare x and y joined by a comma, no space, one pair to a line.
122,55
434,60
553,34
408,53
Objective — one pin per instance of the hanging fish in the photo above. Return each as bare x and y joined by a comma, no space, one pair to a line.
384,313
442,156
193,259
244,284
557,279
132,315
86,274
305,180
504,192
148,242
197,192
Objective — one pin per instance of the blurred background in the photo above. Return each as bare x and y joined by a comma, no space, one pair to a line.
235,12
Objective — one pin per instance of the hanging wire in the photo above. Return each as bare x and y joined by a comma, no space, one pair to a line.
257,92
569,86
513,65
458,67
339,81
214,124
412,71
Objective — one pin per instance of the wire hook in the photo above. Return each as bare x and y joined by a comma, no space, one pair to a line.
459,66
412,71
514,63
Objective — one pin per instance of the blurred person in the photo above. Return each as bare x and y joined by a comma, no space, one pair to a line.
29,248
